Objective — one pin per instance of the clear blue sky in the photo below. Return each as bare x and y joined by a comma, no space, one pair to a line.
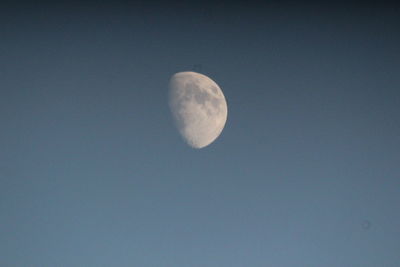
305,173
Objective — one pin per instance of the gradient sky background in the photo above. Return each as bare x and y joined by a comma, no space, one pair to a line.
305,173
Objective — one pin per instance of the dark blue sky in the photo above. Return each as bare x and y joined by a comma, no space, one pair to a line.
305,173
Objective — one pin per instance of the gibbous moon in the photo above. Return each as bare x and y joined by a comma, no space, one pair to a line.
198,107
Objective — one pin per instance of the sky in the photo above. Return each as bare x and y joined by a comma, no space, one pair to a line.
305,173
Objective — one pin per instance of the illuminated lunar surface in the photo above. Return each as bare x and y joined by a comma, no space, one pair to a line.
198,107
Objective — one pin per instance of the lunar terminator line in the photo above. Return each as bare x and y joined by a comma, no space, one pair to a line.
198,107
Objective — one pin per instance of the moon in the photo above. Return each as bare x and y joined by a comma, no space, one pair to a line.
198,107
